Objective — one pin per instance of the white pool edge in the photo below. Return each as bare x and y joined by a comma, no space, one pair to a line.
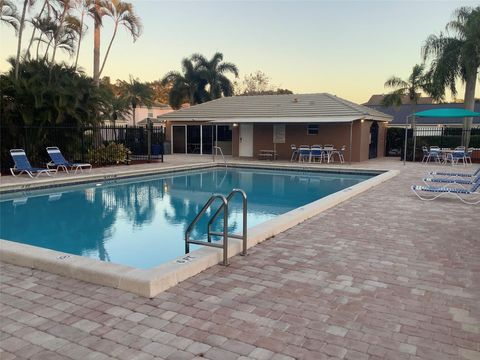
150,282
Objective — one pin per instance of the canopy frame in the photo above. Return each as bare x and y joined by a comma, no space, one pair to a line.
443,113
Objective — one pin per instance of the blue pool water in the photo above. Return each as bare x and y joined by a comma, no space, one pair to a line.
141,222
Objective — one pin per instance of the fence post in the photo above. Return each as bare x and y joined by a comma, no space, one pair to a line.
82,143
149,139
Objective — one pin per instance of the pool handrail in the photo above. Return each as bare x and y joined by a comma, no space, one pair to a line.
216,148
242,237
224,245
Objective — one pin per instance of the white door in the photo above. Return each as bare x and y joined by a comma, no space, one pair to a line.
246,140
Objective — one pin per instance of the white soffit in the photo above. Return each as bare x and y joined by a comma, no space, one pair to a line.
295,120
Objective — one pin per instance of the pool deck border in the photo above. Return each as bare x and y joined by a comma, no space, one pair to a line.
150,282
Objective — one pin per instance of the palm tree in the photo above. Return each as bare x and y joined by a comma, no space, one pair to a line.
122,14
215,71
64,17
83,7
35,21
9,14
136,93
97,11
457,57
64,39
411,87
26,3
190,85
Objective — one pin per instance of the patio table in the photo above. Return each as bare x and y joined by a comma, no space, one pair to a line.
329,152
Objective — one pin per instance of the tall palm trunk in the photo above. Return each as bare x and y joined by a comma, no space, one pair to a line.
79,40
469,103
45,56
20,33
96,45
108,49
59,30
134,106
38,44
35,30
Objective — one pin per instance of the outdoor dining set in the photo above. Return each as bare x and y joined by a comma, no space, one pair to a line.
317,153
447,155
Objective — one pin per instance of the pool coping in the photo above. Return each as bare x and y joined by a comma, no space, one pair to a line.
150,282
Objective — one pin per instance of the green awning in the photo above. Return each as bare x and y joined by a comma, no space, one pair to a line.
447,113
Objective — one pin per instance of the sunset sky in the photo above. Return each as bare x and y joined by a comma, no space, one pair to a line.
347,48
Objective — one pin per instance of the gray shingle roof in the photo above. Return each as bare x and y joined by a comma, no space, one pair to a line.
276,107
401,112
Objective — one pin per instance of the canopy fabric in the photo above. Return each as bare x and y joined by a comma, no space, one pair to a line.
447,113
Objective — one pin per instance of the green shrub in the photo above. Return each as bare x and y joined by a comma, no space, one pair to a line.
112,154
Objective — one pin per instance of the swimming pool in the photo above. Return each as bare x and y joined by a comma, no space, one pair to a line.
140,222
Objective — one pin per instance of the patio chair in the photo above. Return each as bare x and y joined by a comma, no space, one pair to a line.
468,155
453,174
340,154
316,153
304,153
294,151
434,153
425,153
459,192
59,162
455,157
22,165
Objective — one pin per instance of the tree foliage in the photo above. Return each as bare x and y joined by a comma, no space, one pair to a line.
9,14
136,93
70,99
454,56
258,83
411,87
200,80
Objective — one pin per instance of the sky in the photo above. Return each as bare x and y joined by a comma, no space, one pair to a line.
346,48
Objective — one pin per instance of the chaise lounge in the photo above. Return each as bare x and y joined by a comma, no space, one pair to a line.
59,161
22,165
459,192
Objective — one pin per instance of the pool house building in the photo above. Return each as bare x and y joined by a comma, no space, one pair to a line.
245,126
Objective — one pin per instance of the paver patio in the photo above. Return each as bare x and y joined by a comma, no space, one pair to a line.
381,276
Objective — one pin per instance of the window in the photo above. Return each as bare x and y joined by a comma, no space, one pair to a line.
312,129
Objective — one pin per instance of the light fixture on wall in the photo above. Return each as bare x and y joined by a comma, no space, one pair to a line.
362,120
235,124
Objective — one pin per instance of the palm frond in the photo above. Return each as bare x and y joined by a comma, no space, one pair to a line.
394,98
395,81
228,67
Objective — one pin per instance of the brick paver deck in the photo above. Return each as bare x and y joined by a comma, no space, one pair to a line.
382,276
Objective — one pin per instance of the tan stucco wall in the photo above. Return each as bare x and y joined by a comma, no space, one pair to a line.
337,134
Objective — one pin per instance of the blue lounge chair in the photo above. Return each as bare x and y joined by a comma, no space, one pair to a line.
452,180
59,162
459,192
452,174
22,165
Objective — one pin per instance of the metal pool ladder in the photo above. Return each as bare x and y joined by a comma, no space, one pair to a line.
216,148
223,206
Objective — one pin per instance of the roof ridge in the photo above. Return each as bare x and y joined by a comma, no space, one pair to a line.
345,102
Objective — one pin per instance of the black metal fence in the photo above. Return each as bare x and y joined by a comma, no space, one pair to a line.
99,145
443,137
